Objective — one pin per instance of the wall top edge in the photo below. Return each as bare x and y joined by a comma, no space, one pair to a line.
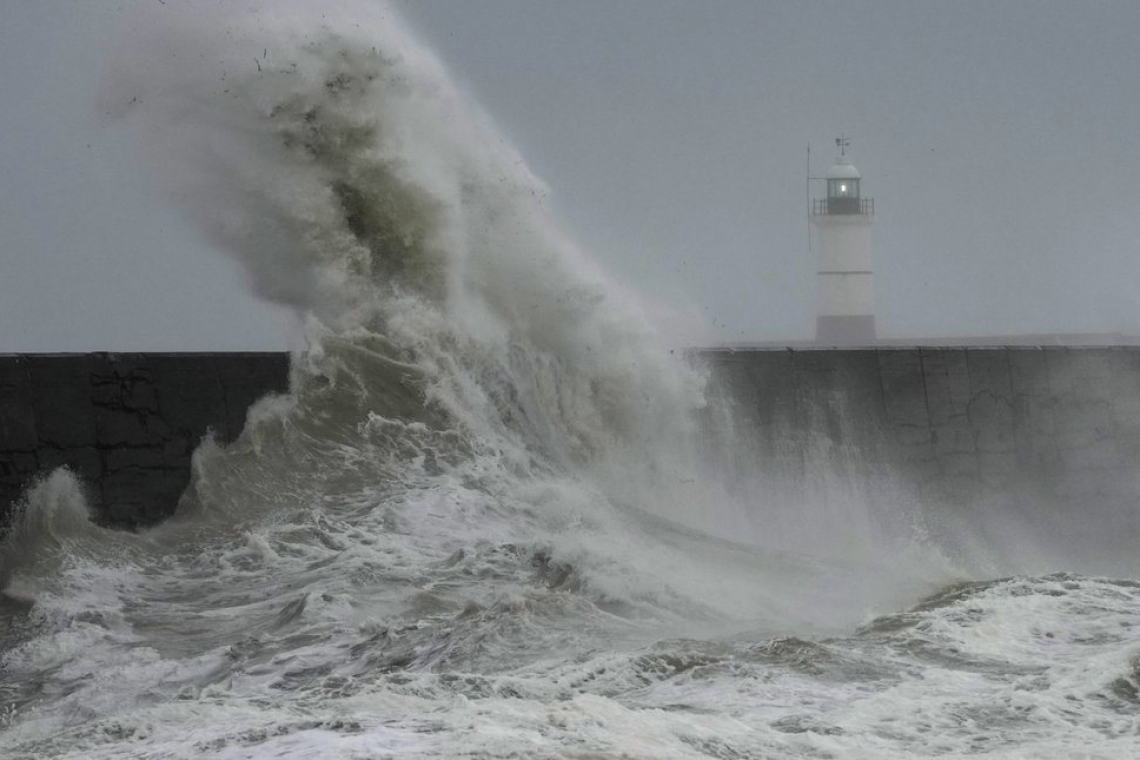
112,354
947,347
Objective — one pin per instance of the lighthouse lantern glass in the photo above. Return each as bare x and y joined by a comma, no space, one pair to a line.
843,188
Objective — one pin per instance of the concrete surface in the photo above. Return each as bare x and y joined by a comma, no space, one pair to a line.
126,423
1052,430
1045,435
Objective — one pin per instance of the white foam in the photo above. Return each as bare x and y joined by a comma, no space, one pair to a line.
479,524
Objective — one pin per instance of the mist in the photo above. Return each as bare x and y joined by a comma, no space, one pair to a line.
501,509
995,140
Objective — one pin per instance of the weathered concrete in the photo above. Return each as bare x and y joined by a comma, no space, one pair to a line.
126,423
1041,429
1047,433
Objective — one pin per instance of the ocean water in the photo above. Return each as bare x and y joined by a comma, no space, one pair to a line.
485,522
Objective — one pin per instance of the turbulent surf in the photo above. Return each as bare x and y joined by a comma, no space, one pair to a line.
485,521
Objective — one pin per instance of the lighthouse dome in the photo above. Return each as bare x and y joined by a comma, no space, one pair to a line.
842,169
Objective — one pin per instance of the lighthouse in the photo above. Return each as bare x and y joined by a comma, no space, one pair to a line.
844,280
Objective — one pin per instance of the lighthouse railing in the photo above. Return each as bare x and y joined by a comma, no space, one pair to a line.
843,207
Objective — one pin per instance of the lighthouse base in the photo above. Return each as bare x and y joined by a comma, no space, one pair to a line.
845,331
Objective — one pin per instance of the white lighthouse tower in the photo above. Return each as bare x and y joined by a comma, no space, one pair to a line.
844,281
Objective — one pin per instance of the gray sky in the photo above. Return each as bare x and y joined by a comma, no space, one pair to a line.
999,140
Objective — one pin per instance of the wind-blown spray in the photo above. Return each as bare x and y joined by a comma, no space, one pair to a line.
477,505
342,169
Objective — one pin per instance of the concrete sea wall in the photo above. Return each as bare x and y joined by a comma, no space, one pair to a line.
1052,431
126,423
954,418
1048,436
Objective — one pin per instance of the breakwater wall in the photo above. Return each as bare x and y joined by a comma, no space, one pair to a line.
126,423
1052,432
1049,437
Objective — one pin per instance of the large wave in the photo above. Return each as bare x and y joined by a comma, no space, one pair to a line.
335,161
486,481
475,421
468,378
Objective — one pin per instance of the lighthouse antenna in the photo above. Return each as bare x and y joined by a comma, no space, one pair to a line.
807,196
842,143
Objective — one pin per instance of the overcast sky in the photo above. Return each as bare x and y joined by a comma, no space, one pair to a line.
999,140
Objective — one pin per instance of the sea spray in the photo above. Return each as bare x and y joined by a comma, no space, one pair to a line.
348,176
481,502
46,525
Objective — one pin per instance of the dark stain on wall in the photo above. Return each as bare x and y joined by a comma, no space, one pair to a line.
126,423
